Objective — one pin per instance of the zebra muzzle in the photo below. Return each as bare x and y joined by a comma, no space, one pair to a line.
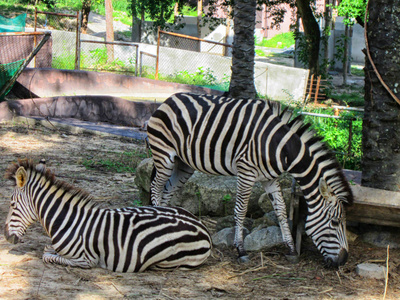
13,239
340,260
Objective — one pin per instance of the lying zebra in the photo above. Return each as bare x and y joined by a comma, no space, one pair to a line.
123,240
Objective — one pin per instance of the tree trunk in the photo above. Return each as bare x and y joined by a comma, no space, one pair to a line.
109,29
86,5
311,32
242,78
199,16
327,33
346,54
381,126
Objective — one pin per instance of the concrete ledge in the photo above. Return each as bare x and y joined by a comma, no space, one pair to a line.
53,82
109,109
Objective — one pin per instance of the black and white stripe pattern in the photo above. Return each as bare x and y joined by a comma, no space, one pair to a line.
255,141
122,240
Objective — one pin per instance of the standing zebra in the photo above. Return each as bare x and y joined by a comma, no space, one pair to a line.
255,141
122,240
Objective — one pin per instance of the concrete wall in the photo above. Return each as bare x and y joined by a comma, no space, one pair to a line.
280,82
53,82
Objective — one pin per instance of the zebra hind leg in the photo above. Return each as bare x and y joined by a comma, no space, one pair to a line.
51,256
273,189
180,175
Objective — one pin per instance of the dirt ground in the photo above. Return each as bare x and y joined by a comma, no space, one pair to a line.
269,275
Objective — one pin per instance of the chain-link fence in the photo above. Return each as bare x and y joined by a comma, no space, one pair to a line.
116,57
186,59
16,52
65,35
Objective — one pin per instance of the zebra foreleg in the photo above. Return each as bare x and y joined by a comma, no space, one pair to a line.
273,189
244,184
51,256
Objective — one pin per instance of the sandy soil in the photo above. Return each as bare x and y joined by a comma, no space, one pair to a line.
269,275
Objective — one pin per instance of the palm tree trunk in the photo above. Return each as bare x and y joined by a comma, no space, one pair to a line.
381,134
242,78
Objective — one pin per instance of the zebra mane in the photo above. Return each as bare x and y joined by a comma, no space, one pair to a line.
316,146
32,168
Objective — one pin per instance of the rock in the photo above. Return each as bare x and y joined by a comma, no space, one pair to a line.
265,203
371,271
263,239
226,237
269,219
382,239
351,236
142,179
202,194
229,221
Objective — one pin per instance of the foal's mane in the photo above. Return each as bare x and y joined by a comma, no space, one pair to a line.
31,168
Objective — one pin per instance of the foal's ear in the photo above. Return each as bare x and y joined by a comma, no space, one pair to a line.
21,177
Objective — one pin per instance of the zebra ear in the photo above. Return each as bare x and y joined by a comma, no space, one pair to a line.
21,177
324,189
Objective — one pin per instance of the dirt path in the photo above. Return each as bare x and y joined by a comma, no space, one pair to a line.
23,275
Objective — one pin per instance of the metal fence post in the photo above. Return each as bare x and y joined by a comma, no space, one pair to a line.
78,41
158,54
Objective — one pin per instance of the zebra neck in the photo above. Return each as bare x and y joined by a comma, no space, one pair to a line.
57,203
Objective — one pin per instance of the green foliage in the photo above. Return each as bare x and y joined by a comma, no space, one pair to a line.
353,99
98,59
352,9
225,200
282,40
335,132
201,77
357,71
126,162
65,61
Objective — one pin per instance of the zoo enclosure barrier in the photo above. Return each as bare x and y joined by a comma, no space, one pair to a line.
210,65
63,57
16,53
337,110
110,56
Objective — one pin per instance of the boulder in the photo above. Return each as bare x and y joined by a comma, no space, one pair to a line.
371,271
382,239
229,221
269,219
226,237
203,194
263,239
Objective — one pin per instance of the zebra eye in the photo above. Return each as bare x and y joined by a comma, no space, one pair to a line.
335,222
13,204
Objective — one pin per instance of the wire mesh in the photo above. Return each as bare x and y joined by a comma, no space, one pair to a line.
185,59
15,47
109,56
64,31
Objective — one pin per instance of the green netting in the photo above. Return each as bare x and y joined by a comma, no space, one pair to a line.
16,24
7,71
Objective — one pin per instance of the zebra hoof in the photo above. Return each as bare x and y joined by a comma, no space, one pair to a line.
293,258
243,259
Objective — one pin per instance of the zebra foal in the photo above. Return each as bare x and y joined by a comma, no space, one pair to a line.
123,240
256,141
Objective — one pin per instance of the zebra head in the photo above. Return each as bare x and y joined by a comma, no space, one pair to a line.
22,212
326,225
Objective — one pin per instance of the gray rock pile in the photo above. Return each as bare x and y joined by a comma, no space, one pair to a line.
215,196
